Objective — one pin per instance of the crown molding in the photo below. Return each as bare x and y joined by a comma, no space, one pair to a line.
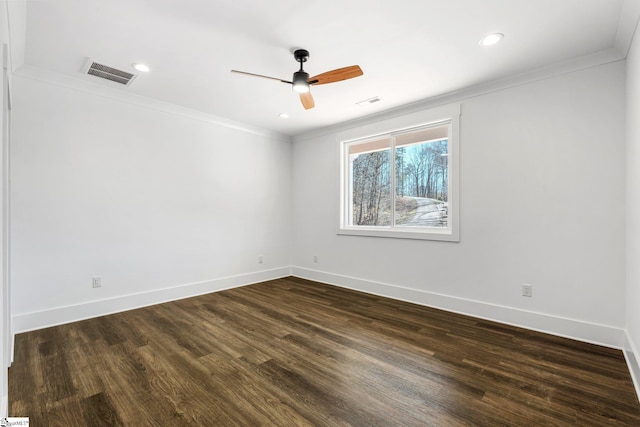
122,94
558,69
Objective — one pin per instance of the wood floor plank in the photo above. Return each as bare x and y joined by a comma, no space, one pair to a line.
99,411
66,414
292,352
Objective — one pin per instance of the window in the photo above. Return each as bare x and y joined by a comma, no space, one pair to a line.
402,183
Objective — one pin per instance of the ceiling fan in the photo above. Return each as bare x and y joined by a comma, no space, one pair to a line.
301,82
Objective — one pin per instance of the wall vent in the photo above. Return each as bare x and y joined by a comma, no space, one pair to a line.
369,101
109,73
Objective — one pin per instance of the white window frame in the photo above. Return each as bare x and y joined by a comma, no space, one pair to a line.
394,125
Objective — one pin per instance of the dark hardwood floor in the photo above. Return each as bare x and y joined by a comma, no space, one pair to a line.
292,352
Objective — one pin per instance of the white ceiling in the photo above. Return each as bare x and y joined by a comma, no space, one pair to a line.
409,50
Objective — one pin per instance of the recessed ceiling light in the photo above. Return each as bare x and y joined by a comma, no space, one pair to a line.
491,39
141,67
283,115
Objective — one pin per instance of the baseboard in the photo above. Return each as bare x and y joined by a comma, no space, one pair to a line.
37,320
631,356
569,328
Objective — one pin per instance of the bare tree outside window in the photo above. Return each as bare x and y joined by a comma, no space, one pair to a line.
371,189
422,184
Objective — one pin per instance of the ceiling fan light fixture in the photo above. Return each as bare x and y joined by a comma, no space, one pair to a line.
301,87
300,82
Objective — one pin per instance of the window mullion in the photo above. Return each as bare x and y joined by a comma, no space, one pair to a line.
392,171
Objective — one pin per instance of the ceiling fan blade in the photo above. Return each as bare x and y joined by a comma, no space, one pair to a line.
260,75
336,75
307,100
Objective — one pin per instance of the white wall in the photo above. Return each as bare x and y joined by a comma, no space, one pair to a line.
159,205
4,306
633,210
8,52
542,190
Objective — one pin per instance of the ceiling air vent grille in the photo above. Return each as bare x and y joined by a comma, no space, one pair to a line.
110,73
369,101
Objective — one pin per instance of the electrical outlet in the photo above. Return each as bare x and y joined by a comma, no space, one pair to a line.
96,282
527,290
315,259
260,259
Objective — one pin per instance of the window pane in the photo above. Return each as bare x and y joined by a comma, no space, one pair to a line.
422,179
370,183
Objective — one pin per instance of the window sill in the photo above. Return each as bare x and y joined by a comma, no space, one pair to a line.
398,233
